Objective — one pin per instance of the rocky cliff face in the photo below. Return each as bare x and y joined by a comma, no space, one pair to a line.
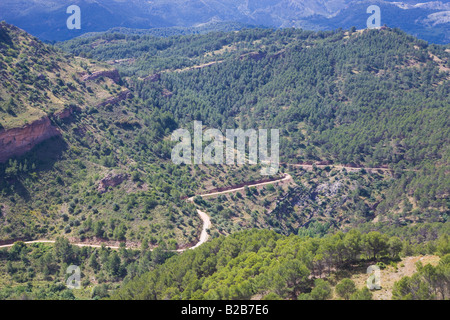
111,74
17,141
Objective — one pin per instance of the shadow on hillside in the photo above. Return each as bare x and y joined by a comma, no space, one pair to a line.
5,38
47,153
43,156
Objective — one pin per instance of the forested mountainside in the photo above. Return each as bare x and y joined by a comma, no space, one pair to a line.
72,141
364,144
257,264
376,98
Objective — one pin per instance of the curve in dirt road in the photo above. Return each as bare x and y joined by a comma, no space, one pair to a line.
204,236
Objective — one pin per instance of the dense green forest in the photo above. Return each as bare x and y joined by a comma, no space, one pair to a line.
377,98
39,270
54,189
240,266
376,101
260,262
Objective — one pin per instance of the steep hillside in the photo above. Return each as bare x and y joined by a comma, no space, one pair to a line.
86,158
364,99
38,80
39,83
72,145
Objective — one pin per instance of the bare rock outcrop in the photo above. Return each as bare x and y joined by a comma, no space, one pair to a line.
111,74
111,180
17,141
67,112
123,95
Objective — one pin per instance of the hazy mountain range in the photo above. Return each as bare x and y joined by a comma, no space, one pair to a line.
46,19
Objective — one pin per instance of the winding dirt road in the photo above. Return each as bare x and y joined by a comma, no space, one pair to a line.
204,236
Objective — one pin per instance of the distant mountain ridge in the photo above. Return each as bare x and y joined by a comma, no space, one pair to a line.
176,31
46,19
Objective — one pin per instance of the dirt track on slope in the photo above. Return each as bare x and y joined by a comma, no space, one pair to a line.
204,236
